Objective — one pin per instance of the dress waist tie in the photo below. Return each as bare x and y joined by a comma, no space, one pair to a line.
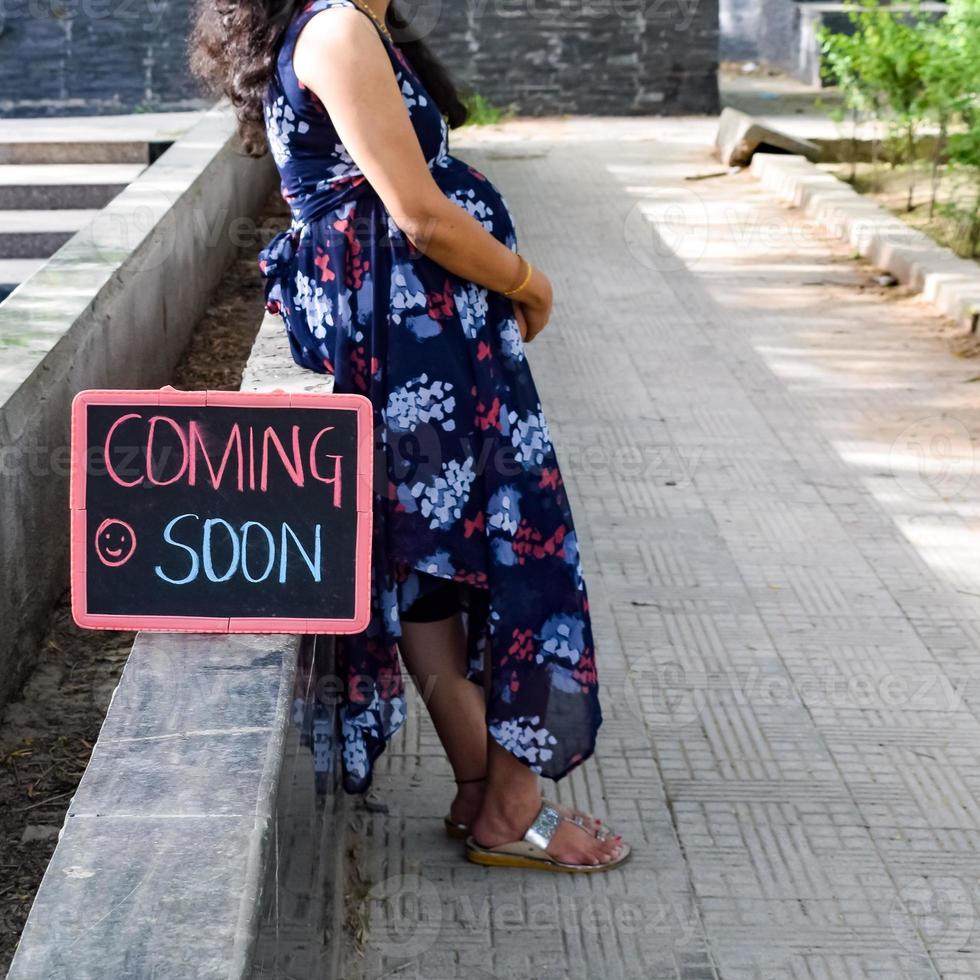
277,259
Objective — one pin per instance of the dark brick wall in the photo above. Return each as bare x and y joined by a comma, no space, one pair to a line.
64,57
548,56
594,56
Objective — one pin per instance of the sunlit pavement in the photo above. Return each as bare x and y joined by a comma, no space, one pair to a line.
771,465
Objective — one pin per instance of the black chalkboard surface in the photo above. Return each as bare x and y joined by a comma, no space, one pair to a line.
221,511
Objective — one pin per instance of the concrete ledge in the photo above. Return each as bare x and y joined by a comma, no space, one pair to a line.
52,185
950,283
205,841
161,859
114,307
740,136
127,139
301,905
271,365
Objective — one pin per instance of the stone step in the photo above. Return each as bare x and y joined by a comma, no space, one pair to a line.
59,185
14,271
133,139
50,151
38,234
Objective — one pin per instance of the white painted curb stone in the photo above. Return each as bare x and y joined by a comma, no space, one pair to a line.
949,283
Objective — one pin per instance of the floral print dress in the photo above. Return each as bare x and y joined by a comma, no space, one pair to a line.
468,486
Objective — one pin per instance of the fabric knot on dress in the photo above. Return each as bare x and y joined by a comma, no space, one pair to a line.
276,260
275,263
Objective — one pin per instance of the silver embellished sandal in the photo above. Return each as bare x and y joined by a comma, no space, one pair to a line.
531,852
460,831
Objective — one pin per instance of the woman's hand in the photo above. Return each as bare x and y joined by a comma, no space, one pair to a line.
532,305
521,321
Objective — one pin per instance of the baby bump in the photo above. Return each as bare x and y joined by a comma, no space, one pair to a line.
476,194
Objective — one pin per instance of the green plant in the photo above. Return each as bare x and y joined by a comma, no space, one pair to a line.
905,69
964,154
952,76
881,69
482,112
959,83
844,63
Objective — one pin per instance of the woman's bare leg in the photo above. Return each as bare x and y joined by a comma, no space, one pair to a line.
435,655
504,806
511,803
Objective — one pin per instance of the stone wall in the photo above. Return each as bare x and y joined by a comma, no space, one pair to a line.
548,56
65,57
586,56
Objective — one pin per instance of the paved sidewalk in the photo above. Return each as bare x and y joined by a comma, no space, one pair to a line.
771,468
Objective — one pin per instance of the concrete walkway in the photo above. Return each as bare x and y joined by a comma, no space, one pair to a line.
771,464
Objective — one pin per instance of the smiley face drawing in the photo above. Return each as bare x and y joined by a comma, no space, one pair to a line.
115,542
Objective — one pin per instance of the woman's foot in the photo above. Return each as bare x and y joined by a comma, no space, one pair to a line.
468,801
585,820
512,803
505,820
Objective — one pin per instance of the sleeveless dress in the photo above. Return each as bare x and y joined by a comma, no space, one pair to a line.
467,486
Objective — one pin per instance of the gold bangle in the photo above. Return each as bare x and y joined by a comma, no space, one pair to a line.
524,281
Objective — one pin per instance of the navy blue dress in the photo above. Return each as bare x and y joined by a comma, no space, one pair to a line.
468,486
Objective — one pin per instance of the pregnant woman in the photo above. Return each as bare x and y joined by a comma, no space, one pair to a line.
400,276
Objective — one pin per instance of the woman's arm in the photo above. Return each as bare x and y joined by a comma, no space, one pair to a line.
343,61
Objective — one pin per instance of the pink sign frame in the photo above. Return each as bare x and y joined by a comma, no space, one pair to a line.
198,624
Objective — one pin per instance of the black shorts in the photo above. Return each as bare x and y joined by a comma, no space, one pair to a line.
441,603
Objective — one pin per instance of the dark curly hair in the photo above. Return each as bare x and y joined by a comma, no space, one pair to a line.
235,43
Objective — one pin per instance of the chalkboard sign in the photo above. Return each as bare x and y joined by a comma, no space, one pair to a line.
224,512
